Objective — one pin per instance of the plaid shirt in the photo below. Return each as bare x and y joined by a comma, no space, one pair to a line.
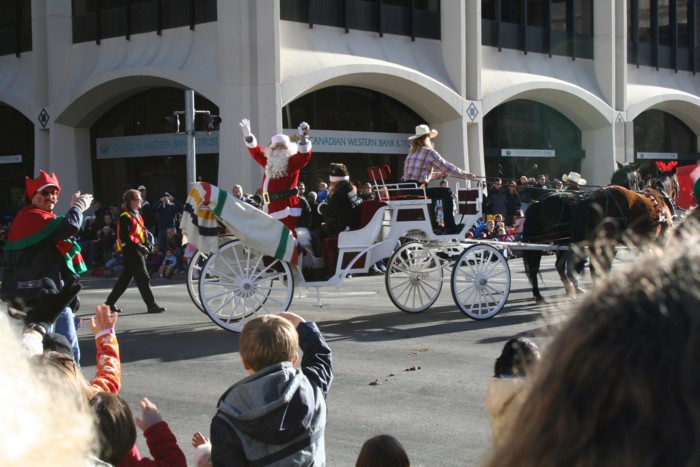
419,165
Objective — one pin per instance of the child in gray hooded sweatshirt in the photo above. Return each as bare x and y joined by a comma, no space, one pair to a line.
277,415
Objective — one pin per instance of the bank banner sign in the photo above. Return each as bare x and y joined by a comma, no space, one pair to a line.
14,159
166,144
657,155
528,153
356,142
328,141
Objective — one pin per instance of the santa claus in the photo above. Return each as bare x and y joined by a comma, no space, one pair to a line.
282,161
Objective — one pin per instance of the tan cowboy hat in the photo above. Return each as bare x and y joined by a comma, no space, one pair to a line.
422,130
574,177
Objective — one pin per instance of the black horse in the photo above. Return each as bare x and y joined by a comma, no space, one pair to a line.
628,176
550,221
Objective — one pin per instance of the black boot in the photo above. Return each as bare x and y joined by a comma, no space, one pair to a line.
114,308
154,308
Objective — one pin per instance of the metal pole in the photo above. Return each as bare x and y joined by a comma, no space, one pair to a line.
191,142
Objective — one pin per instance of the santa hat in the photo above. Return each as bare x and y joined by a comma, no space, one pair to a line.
41,182
283,139
280,139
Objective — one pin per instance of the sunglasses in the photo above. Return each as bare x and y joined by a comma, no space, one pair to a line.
47,193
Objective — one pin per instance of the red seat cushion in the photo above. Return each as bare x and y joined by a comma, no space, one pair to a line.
367,210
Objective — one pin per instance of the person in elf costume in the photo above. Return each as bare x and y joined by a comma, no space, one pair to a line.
282,161
135,242
40,245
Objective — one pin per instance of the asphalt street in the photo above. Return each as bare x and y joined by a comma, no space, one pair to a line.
421,377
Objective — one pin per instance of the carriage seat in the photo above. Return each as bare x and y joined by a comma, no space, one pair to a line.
371,213
387,191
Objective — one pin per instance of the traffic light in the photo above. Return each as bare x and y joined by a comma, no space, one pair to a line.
204,121
172,123
212,122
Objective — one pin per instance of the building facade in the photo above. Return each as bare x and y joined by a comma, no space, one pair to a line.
515,87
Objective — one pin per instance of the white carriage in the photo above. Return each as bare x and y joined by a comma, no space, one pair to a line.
238,275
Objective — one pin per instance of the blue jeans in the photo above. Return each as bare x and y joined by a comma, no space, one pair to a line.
65,326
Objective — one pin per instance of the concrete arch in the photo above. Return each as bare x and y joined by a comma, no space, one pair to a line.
585,110
685,107
428,97
20,105
92,99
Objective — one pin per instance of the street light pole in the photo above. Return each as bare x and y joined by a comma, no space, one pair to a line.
191,140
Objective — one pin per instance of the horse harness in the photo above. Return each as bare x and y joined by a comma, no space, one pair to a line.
670,202
661,217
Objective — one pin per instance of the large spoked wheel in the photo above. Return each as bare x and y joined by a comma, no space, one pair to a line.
414,277
480,281
237,283
194,272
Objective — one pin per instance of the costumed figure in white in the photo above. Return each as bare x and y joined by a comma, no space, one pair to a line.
282,161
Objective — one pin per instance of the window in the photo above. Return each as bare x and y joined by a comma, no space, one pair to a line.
665,27
644,15
96,20
415,18
15,26
555,27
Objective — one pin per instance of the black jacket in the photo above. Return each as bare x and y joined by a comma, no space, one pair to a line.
341,212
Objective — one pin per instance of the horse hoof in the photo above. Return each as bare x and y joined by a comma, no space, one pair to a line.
540,300
579,290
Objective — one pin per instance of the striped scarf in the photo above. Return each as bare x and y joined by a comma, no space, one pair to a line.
207,203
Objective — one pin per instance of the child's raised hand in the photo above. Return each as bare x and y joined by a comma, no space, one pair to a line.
149,415
103,319
198,439
294,318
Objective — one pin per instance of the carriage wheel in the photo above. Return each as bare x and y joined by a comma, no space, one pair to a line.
237,283
480,281
194,272
414,277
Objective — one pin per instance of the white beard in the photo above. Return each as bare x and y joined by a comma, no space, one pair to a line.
277,162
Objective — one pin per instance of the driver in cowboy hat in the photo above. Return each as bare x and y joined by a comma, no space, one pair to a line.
573,181
421,164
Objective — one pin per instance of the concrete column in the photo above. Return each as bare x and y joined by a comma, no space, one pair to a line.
452,141
70,161
604,48
453,38
42,148
475,148
620,25
250,80
599,163
473,51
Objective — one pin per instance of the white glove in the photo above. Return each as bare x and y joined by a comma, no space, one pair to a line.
81,202
245,126
304,129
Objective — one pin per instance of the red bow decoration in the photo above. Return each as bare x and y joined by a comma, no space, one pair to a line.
666,167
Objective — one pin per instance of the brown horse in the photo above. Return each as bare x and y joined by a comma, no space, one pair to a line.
614,216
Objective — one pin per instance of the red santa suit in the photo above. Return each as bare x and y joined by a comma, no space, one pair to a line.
279,185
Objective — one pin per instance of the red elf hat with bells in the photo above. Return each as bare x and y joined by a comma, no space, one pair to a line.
42,181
